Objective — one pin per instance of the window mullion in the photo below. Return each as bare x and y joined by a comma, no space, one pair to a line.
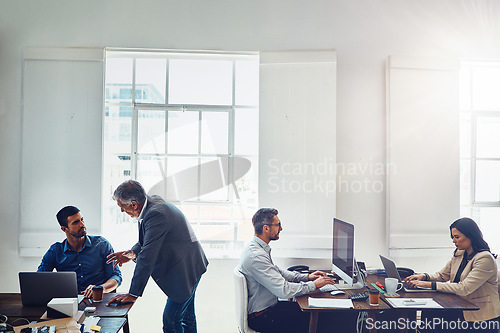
231,138
135,127
230,178
232,195
473,162
168,81
165,158
199,153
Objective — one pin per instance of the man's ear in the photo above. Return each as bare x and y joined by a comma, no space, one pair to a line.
134,204
64,228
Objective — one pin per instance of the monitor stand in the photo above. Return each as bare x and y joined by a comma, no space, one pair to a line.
358,285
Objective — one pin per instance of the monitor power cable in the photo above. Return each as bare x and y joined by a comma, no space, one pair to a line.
6,327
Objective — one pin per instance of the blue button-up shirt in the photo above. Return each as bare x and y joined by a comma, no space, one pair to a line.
89,263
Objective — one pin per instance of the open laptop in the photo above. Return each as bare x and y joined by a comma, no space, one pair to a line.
392,272
38,288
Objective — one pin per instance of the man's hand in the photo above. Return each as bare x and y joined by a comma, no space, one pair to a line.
313,276
122,299
323,280
87,293
121,257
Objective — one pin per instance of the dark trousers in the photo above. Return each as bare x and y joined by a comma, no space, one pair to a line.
180,317
284,317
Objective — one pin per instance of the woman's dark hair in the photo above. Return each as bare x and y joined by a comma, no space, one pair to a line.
470,229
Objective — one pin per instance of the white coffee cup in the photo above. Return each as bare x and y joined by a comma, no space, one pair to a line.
392,286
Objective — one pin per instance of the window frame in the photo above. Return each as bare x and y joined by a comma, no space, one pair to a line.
473,115
136,106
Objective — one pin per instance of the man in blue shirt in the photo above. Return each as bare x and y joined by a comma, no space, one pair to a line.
83,254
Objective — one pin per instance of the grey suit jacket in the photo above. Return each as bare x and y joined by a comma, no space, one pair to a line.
167,250
478,284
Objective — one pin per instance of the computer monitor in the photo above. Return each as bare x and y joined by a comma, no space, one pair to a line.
38,288
343,261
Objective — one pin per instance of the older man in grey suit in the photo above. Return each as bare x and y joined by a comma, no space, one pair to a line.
167,250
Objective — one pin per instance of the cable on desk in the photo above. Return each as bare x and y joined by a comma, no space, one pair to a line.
4,319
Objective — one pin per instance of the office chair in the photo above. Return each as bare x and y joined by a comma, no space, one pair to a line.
241,302
498,276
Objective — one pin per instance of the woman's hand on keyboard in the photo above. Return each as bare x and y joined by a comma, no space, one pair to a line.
417,280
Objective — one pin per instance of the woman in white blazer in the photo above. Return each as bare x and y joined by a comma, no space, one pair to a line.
472,274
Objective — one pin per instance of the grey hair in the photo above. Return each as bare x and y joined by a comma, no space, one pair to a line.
262,217
128,191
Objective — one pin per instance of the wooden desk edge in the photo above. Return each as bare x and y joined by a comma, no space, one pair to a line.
303,302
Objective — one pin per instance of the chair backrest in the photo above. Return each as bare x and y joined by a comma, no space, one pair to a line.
498,282
241,301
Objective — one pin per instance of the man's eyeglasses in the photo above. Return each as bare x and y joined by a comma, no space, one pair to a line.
278,224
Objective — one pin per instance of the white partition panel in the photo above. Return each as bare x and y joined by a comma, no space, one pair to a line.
61,142
298,147
423,152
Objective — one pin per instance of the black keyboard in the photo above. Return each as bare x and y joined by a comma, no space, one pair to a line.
359,296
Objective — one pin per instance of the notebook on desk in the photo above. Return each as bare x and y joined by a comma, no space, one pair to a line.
38,288
392,272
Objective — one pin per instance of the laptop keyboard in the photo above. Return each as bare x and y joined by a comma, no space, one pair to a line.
410,287
406,285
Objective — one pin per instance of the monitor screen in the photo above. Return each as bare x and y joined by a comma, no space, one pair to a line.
343,250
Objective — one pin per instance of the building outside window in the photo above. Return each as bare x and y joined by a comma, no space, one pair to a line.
185,125
480,147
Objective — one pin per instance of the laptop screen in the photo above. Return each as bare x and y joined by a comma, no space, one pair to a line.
38,288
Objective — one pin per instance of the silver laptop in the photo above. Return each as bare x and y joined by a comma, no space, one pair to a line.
38,288
392,272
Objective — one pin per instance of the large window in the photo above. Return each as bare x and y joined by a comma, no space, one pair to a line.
480,146
186,126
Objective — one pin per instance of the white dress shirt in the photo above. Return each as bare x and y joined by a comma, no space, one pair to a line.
266,282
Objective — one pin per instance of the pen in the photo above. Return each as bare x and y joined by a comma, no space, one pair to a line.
414,302
378,288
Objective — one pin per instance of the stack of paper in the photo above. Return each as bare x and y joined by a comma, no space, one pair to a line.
330,303
420,303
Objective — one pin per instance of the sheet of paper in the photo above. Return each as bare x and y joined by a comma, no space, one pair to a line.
410,303
330,303
89,322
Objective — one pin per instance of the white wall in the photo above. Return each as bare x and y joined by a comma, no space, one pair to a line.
364,33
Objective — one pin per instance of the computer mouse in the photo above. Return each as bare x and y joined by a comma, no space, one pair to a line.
337,292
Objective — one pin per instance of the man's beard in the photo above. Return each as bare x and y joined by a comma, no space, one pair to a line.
81,233
275,237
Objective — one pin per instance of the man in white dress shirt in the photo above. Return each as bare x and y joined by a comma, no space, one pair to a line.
267,282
